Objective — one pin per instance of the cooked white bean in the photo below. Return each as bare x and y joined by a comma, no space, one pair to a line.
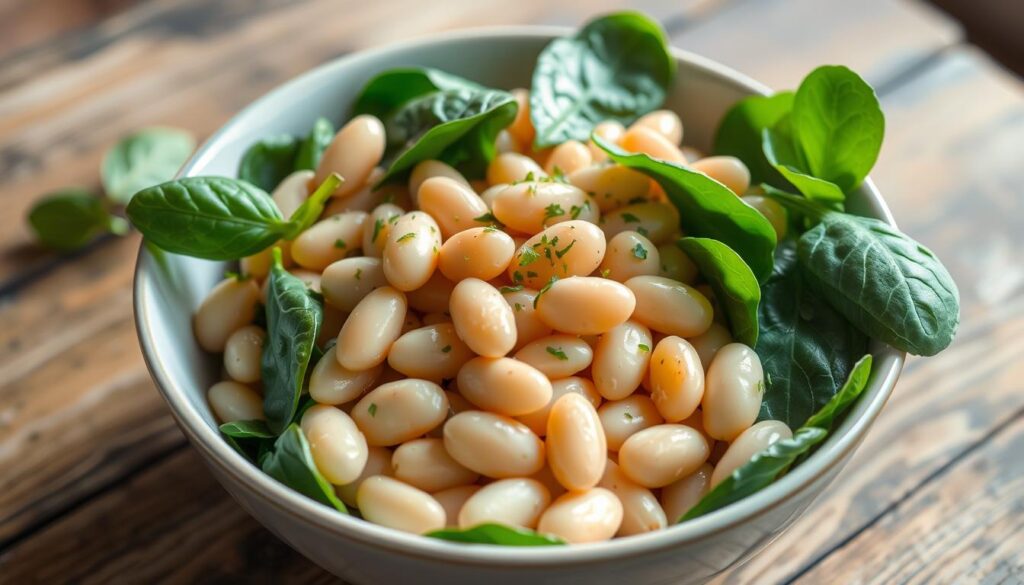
669,306
557,356
329,240
332,383
750,442
424,464
293,191
568,157
708,343
378,226
512,167
433,296
530,206
621,359
630,254
677,379
230,306
410,254
522,127
578,517
528,325
374,324
231,401
772,211
538,419
454,205
641,511
369,196
677,498
611,131
733,389
242,353
621,419
482,318
453,499
570,248
504,385
727,170
429,169
662,454
493,445
576,446
611,186
585,305
353,153
345,282
658,222
511,502
433,352
339,450
675,264
378,462
481,252
389,502
399,411
652,143
664,122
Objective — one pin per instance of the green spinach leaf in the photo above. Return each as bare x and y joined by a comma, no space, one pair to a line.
739,133
386,92
806,348
497,534
779,150
312,148
294,318
143,159
851,390
734,284
247,429
71,218
291,463
215,218
707,208
617,67
267,162
762,469
889,286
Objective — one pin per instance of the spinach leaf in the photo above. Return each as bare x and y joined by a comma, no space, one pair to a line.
456,126
294,318
888,285
739,133
314,145
312,207
143,159
851,390
707,208
383,94
617,67
497,534
782,154
762,469
215,218
734,284
267,162
71,218
291,463
837,125
806,348
247,429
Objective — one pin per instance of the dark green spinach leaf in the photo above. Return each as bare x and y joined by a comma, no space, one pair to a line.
707,208
385,93
734,284
851,390
888,285
779,150
71,218
143,159
617,67
739,133
215,218
267,162
294,318
291,463
313,146
497,534
247,429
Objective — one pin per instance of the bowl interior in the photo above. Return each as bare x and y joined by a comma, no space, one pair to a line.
170,287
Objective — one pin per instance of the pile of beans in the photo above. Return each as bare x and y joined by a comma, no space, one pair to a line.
531,350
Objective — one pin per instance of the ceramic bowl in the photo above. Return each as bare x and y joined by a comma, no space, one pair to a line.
168,290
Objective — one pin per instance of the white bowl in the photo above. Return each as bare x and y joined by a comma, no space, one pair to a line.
168,290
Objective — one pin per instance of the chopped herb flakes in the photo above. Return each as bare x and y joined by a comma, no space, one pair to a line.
372,409
553,210
630,218
339,244
378,225
558,353
640,252
510,289
528,256
407,236
643,347
446,349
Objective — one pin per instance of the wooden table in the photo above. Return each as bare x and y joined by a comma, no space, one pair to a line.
96,482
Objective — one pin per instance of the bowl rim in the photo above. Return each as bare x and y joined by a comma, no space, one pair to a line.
216,452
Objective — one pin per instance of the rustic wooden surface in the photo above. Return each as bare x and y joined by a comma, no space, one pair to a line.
97,483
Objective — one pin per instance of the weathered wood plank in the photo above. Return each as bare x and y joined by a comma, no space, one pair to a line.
780,41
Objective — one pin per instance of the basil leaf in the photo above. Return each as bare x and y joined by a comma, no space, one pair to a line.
310,210
294,318
888,285
497,534
734,284
247,429
71,218
617,67
851,390
383,94
143,159
215,218
267,162
806,348
739,133
707,208
312,148
838,125
291,463
456,126
780,152
762,469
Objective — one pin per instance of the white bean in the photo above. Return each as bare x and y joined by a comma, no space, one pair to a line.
662,454
493,445
397,505
571,248
338,448
538,419
329,240
424,463
429,169
530,206
398,411
378,462
378,226
630,254
353,153
231,401
623,418
345,282
482,252
410,254
528,325
750,442
557,356
504,385
332,383
677,379
576,446
586,516
669,306
641,511
230,306
511,502
612,186
677,498
374,324
293,191
433,352
733,389
242,353
621,359
454,205
482,318
727,170
585,305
